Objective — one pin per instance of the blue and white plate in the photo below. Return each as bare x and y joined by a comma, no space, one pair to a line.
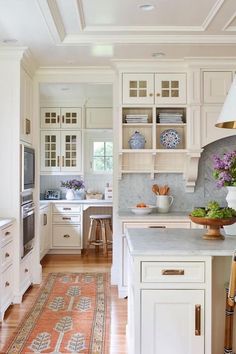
170,138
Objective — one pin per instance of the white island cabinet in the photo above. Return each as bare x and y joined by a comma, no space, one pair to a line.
176,295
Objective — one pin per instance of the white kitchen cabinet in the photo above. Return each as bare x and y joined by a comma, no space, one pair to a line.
26,109
64,118
61,151
98,118
6,269
26,277
155,88
209,132
182,224
67,226
45,231
172,321
216,85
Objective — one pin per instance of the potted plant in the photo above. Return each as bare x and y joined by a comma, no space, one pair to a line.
72,186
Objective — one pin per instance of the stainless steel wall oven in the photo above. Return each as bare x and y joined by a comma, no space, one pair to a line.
27,223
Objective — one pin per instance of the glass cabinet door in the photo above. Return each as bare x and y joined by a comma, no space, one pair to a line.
138,88
50,118
50,151
170,88
71,118
71,151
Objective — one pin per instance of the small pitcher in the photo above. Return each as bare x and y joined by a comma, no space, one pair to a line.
163,203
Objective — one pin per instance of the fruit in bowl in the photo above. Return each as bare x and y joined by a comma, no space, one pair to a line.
142,209
214,217
141,205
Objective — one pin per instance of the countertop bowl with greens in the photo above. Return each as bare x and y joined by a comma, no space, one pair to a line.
214,217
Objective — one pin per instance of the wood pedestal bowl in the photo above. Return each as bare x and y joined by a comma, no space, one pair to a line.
213,226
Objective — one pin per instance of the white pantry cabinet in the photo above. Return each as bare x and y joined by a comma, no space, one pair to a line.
64,118
45,230
6,269
26,108
61,151
98,118
216,85
154,88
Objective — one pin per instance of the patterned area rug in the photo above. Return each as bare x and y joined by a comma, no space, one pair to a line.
70,315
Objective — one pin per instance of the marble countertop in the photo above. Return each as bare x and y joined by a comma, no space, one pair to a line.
154,216
78,201
4,222
177,242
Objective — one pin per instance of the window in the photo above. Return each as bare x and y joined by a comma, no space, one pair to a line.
102,156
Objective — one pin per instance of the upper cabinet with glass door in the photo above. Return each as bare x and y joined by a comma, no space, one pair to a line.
65,118
158,88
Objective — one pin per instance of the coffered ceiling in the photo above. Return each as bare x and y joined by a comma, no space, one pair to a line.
93,32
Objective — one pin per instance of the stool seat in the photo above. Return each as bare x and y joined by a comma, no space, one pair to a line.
100,232
96,217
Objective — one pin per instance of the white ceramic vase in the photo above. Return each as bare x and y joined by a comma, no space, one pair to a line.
231,201
164,203
70,194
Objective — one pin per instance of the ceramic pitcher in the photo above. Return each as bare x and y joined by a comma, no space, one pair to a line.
163,203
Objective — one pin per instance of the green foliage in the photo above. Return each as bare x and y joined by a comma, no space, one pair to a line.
214,211
213,205
199,212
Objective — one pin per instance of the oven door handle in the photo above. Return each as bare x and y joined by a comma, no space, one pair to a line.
28,213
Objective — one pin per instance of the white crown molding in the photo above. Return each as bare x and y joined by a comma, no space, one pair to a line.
80,11
143,29
213,12
227,26
12,53
148,39
53,19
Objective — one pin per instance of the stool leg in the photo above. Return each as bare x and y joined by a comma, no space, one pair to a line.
97,232
89,236
104,238
229,317
109,231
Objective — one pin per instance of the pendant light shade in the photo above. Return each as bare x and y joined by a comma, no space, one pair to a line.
227,117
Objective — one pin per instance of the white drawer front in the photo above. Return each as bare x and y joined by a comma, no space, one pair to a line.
66,219
6,255
66,236
66,208
6,234
6,285
173,272
25,273
157,225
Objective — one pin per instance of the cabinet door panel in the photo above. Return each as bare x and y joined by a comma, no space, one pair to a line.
169,321
138,88
71,151
66,236
50,118
26,107
50,151
71,118
170,88
216,86
99,117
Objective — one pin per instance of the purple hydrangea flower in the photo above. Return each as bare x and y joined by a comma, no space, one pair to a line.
225,169
74,184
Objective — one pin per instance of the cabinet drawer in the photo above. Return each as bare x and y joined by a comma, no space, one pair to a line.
66,208
25,273
157,225
172,272
6,255
66,236
66,219
6,234
6,284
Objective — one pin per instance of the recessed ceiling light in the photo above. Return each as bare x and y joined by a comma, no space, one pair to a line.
10,40
146,7
158,55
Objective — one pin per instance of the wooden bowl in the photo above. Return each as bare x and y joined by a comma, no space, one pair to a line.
213,226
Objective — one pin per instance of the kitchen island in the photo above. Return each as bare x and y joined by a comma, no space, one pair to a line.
176,295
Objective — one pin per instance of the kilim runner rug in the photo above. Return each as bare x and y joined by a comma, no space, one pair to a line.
70,315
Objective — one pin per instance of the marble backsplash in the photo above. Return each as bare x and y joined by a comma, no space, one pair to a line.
134,188
95,183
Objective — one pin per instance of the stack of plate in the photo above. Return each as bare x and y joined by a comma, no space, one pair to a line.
136,118
176,118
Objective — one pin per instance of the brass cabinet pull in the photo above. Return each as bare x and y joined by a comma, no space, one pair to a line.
66,218
27,126
151,94
63,161
7,284
157,227
45,219
197,320
58,161
7,233
63,119
58,119
26,270
158,94
66,236
66,208
7,255
172,272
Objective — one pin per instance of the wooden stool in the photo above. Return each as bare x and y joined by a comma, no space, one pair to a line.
100,232
229,308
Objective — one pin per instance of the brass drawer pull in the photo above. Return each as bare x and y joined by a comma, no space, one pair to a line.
7,255
66,218
26,270
172,272
7,233
66,236
45,219
197,320
66,208
7,284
